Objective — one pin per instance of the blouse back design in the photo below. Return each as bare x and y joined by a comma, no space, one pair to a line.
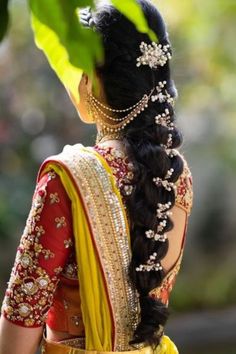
44,285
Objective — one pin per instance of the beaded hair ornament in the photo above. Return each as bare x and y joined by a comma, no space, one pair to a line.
153,55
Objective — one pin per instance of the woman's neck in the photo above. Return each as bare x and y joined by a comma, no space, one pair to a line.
107,138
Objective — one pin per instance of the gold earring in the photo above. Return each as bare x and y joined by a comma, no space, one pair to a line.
89,109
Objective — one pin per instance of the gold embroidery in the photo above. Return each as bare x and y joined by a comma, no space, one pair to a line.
29,322
43,282
58,270
76,320
184,191
24,310
68,243
60,222
168,281
30,288
74,342
70,271
54,198
39,231
107,220
48,254
51,175
121,168
26,260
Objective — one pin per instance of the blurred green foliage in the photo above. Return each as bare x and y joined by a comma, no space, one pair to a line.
37,119
69,47
203,35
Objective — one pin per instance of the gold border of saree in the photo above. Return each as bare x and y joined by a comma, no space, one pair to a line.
102,241
109,301
166,346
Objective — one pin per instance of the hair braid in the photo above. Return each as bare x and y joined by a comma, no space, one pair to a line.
150,161
146,144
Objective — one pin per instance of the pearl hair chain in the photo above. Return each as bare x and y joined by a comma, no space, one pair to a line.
151,265
111,124
161,226
162,94
164,183
169,173
157,237
153,55
171,152
164,119
163,211
97,109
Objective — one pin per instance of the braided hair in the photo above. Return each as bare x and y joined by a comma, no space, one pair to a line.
146,143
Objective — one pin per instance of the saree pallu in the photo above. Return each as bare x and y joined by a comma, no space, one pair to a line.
109,302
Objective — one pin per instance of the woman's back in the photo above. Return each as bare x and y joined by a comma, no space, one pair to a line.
105,236
47,249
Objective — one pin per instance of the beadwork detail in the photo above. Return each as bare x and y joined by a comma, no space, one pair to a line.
121,168
164,183
18,304
154,55
54,198
163,291
162,95
31,286
60,222
184,190
151,265
107,221
109,123
164,119
157,237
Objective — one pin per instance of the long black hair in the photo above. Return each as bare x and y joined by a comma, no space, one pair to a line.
124,85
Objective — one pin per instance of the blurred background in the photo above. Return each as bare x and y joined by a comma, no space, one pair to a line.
37,120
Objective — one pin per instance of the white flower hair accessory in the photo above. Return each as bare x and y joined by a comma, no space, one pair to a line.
153,55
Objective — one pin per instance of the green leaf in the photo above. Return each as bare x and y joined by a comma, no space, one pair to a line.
70,48
4,18
132,10
84,3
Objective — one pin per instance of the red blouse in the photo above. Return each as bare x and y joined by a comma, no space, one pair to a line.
43,286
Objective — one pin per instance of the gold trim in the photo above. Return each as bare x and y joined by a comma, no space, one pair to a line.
168,281
50,347
107,220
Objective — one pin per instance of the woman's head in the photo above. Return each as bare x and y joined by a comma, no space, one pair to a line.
149,140
122,83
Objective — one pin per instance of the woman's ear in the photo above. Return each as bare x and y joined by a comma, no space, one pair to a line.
85,84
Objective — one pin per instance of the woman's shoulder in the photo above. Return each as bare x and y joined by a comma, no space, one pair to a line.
184,186
69,156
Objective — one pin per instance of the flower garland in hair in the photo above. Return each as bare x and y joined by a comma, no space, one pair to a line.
162,214
154,55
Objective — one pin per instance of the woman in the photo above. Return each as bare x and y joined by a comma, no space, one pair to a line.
105,236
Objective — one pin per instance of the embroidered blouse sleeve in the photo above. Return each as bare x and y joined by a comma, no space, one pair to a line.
43,251
184,192
184,200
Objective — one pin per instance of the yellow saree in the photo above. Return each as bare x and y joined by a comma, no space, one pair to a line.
109,301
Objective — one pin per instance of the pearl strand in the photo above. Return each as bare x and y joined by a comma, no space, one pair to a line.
137,110
95,100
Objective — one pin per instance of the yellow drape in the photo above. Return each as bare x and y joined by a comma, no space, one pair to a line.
97,321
